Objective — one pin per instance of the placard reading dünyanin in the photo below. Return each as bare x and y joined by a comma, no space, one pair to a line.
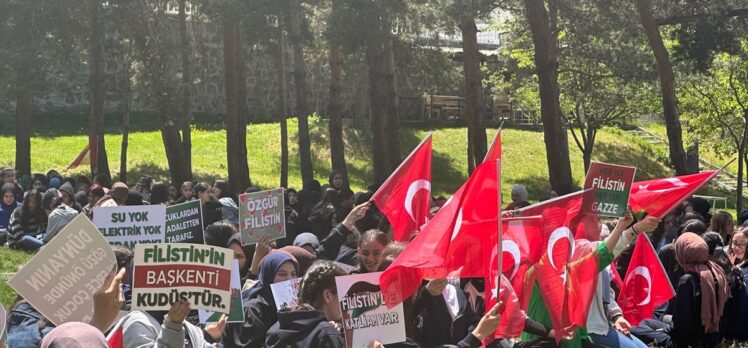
63,276
165,273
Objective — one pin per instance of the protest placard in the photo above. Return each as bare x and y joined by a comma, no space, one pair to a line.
165,273
62,277
286,294
184,223
366,317
261,214
236,314
345,267
608,187
130,225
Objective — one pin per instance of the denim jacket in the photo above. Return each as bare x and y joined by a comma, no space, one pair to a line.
24,330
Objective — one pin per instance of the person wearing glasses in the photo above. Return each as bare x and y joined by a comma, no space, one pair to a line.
736,248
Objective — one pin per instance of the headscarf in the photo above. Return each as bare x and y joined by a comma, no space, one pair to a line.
119,192
8,188
74,335
692,254
302,256
269,266
521,191
236,238
306,238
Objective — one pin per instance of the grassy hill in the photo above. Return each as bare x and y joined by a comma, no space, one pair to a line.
523,152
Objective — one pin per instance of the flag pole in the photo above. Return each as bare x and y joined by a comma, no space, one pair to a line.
500,232
496,138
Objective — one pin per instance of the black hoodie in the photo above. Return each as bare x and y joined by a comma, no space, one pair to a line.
303,328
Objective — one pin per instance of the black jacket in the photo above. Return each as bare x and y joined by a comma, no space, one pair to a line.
259,315
329,247
303,328
687,329
434,324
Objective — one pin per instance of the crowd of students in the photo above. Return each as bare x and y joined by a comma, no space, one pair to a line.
328,226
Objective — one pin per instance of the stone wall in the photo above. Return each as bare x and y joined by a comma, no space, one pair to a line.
66,83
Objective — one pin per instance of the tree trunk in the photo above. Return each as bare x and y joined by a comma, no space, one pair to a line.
470,158
99,166
745,169
589,147
186,103
546,67
238,176
299,76
281,66
392,130
667,86
377,106
173,146
739,201
337,146
243,107
125,127
23,131
473,103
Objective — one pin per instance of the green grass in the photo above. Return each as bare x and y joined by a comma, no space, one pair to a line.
9,262
524,160
524,155
704,152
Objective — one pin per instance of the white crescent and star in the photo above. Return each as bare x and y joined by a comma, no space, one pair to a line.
457,226
512,248
675,181
414,187
644,272
558,234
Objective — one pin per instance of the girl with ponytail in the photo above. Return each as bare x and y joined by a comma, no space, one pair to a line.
312,322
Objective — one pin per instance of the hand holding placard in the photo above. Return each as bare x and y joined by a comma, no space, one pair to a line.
108,300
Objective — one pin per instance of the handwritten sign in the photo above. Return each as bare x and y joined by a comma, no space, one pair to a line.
63,276
184,223
261,214
366,317
165,273
286,293
130,225
610,186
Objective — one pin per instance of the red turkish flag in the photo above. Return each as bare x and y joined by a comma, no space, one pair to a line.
116,335
458,240
659,196
512,316
646,285
405,198
494,152
567,271
429,248
522,247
